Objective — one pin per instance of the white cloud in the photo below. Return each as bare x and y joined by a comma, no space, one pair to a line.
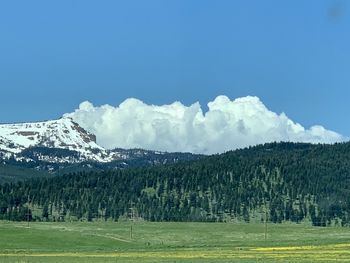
225,126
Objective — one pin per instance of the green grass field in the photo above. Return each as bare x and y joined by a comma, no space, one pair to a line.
171,242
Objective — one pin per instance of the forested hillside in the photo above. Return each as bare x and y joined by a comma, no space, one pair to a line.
13,173
45,161
283,181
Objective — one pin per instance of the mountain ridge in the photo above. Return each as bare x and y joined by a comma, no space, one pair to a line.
61,144
62,133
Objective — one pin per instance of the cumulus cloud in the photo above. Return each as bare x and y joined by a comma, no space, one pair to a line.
225,126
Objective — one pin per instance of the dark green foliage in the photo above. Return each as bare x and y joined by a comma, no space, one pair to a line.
45,159
10,173
282,181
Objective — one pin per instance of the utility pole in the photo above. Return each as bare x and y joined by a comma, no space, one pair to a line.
132,217
266,217
28,213
265,223
131,231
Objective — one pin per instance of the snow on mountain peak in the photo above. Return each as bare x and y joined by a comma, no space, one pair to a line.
63,133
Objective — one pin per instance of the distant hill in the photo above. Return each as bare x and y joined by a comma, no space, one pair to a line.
16,169
283,181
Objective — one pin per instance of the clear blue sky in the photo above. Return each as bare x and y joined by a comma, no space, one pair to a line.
294,55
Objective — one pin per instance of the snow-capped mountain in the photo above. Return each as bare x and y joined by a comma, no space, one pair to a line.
63,133
51,145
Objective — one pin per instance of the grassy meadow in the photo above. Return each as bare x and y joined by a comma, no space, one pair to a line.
171,242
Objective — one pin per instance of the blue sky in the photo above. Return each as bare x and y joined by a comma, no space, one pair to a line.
294,55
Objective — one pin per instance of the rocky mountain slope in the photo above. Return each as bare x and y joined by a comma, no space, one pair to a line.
62,134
